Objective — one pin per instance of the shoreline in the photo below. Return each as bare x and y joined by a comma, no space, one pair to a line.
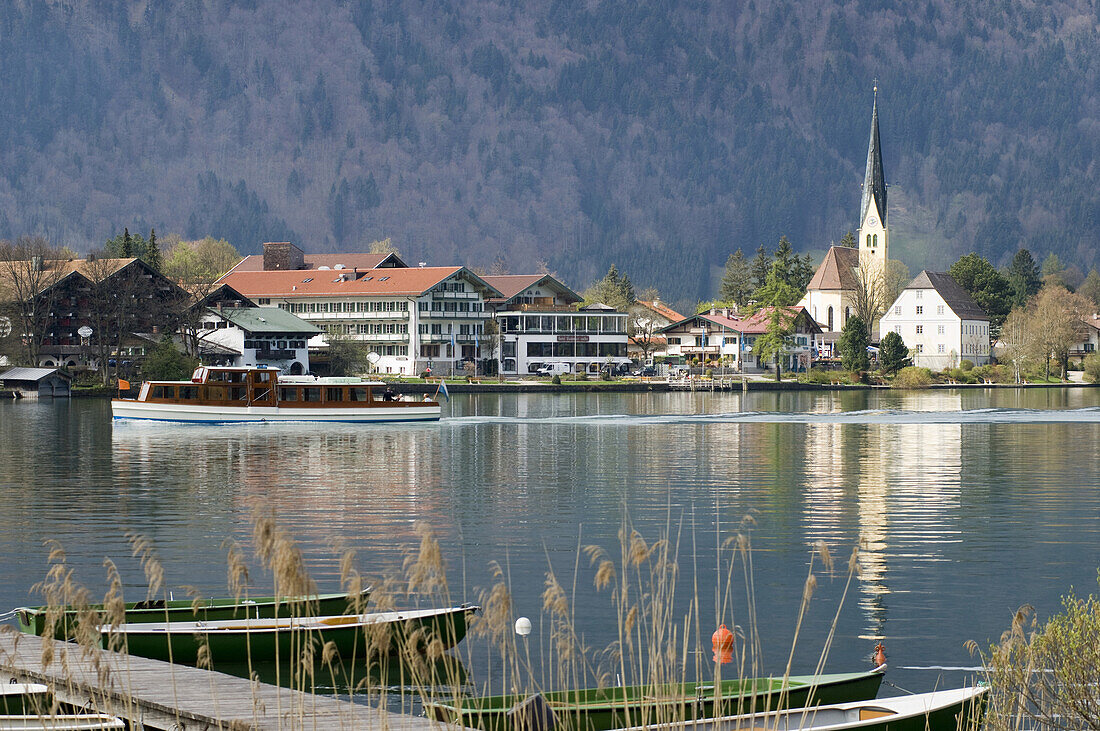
653,387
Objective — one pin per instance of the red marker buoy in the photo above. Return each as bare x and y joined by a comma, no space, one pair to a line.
879,658
722,643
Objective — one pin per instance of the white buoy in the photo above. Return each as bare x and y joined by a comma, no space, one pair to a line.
523,626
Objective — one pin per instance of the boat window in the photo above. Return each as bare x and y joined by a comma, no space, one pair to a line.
215,393
311,393
288,394
189,392
263,377
158,392
238,393
334,394
358,394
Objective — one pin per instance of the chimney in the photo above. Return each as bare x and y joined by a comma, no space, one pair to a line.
282,255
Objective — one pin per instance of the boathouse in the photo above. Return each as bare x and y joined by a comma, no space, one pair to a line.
35,382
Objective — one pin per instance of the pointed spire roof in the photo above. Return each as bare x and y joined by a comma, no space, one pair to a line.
874,180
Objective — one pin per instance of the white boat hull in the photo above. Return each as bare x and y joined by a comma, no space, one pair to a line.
124,409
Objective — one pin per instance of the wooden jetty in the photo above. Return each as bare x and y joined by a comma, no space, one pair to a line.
151,694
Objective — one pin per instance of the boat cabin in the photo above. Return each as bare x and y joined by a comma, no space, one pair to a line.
239,386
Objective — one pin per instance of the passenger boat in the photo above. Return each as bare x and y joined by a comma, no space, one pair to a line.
269,639
26,706
600,709
220,395
945,710
33,620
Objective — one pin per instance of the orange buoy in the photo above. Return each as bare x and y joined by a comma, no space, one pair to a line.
722,643
879,658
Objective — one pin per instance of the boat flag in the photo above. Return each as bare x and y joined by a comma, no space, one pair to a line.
443,390
123,385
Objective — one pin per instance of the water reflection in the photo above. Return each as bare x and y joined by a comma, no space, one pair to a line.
965,504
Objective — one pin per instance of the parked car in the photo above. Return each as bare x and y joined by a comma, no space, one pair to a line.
646,371
553,369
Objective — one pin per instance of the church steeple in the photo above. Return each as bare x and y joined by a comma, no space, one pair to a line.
874,243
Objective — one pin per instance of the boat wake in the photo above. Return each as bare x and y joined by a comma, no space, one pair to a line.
1089,415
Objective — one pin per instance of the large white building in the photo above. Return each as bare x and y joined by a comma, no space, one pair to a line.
939,323
539,323
412,317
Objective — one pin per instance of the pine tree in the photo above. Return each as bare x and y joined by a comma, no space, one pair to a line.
761,266
786,259
849,241
1023,274
853,345
892,353
737,281
127,244
152,251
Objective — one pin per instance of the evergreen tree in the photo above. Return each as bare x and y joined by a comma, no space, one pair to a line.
802,272
127,249
849,241
778,296
853,345
892,353
1023,275
988,287
761,266
1090,288
786,259
152,251
615,290
737,282
1053,270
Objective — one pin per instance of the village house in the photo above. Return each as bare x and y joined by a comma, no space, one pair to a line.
939,323
647,319
720,337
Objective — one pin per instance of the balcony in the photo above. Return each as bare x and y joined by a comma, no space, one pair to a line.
380,337
342,316
275,354
454,295
445,315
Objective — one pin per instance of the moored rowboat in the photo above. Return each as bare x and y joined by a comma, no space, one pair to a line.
269,639
33,620
26,706
944,710
599,709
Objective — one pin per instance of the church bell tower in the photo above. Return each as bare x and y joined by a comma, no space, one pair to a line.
874,237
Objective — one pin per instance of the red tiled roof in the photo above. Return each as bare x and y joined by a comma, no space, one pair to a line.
757,323
411,281
837,270
511,285
663,310
255,262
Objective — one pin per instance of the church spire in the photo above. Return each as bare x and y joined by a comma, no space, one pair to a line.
874,180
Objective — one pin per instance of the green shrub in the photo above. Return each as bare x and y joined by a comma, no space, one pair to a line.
1091,367
556,380
913,377
425,374
710,373
966,365
582,377
818,375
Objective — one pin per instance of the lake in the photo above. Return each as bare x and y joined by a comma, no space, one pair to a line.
964,505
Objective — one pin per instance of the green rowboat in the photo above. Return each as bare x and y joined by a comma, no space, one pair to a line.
31,707
600,709
944,710
32,620
285,638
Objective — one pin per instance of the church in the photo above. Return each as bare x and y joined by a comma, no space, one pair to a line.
830,295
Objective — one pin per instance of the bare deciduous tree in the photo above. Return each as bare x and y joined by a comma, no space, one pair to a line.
868,297
30,270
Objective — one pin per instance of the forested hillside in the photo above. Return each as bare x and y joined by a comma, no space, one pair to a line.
658,135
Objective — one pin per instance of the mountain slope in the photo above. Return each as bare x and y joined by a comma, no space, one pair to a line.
659,136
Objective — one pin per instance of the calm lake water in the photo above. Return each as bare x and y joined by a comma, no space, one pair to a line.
964,504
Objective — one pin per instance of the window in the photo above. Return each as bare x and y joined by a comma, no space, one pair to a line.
920,348
920,310
897,329
312,394
264,300
939,348
288,394
920,329
920,294
334,394
939,329
939,309
897,310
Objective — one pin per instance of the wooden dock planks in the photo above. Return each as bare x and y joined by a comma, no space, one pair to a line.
161,695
